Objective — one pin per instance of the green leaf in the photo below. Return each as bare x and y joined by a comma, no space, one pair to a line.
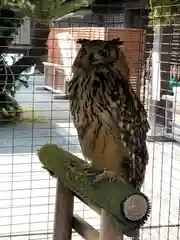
49,9
164,11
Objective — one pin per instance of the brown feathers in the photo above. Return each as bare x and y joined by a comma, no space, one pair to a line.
110,119
115,41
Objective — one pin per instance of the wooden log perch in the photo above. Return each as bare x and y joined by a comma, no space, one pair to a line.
127,205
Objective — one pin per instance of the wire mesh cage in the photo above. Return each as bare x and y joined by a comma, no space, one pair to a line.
37,47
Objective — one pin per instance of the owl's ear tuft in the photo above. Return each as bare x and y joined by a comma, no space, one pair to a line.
82,41
117,41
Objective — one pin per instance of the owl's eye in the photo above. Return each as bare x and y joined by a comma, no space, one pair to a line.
104,53
83,50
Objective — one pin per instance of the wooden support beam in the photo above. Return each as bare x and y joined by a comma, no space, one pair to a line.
90,205
63,213
84,229
110,228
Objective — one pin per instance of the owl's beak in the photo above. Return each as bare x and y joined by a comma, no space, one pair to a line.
93,60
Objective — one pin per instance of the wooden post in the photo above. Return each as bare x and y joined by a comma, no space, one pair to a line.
109,228
84,229
63,213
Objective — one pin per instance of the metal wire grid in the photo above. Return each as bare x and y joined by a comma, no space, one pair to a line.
162,180
114,20
27,193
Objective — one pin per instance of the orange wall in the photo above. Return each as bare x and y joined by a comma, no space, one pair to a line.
133,46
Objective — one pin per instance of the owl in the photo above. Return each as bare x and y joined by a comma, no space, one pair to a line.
110,120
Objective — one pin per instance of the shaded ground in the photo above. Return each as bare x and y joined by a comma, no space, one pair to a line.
40,103
27,194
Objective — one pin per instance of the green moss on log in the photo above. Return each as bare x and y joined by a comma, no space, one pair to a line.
104,194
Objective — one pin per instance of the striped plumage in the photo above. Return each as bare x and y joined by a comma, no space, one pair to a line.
110,120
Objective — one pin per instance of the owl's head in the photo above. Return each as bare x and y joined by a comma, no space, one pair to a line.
93,53
96,52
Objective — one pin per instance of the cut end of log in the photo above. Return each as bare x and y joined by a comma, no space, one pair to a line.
136,207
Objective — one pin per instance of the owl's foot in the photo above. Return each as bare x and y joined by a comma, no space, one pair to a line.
88,170
110,175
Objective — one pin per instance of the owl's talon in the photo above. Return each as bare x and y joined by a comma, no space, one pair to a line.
106,174
88,170
110,175
85,167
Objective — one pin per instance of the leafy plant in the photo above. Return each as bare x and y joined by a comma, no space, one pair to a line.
43,13
164,11
48,10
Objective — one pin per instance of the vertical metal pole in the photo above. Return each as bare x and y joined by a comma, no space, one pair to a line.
155,91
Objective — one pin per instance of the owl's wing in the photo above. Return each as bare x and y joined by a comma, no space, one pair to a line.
127,120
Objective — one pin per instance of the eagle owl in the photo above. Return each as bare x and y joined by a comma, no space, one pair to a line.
110,120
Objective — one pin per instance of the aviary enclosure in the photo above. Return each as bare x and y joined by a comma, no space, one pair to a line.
37,49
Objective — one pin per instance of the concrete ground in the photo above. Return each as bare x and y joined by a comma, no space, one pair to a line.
27,193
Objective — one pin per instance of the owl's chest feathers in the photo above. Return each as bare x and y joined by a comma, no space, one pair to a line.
81,98
87,119
86,113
